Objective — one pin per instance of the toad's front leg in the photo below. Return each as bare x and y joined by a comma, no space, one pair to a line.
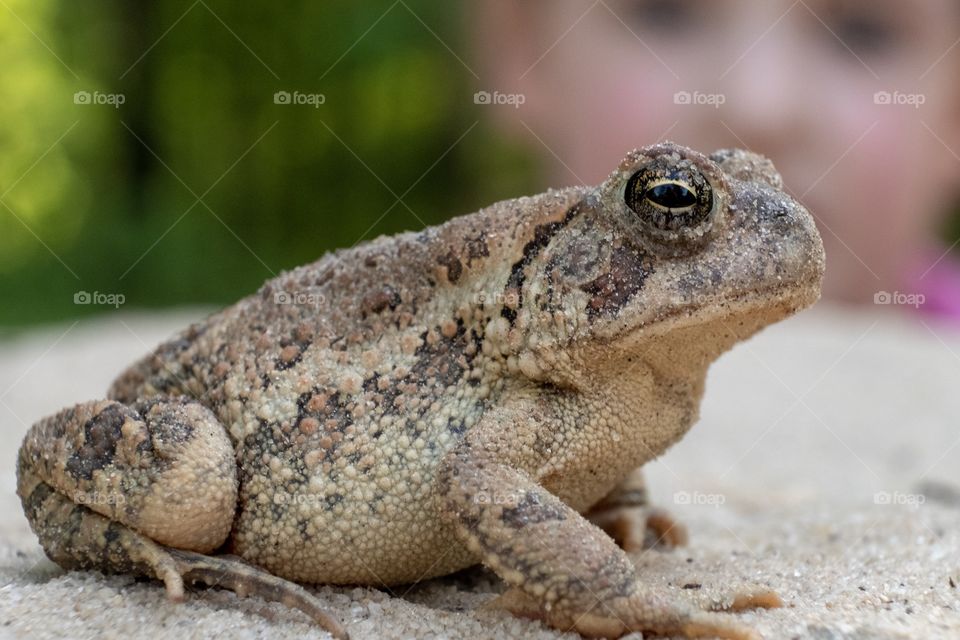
575,575
146,489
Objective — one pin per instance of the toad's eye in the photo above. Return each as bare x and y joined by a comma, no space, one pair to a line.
670,197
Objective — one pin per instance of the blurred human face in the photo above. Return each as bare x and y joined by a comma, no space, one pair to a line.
796,81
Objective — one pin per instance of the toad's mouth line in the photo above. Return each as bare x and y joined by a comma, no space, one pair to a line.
781,301
803,295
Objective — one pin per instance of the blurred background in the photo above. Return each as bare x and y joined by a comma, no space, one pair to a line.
182,152
118,116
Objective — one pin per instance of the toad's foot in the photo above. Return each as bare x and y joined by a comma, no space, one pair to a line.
627,517
636,528
612,619
756,599
246,580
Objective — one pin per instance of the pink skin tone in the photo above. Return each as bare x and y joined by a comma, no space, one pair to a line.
880,178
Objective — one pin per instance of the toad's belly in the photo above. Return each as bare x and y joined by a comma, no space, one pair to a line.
365,551
348,527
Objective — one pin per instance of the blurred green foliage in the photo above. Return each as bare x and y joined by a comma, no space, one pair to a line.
102,197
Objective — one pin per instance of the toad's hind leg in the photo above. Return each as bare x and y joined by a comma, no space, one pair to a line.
78,538
145,489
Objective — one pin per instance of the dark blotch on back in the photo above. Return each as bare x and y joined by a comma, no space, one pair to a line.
386,297
453,265
542,236
477,247
442,361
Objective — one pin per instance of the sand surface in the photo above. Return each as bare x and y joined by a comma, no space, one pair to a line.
826,466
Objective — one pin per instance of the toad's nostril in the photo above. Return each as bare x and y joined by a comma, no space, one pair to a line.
774,211
766,204
747,166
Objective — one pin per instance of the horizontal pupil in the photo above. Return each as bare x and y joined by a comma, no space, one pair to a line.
672,196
